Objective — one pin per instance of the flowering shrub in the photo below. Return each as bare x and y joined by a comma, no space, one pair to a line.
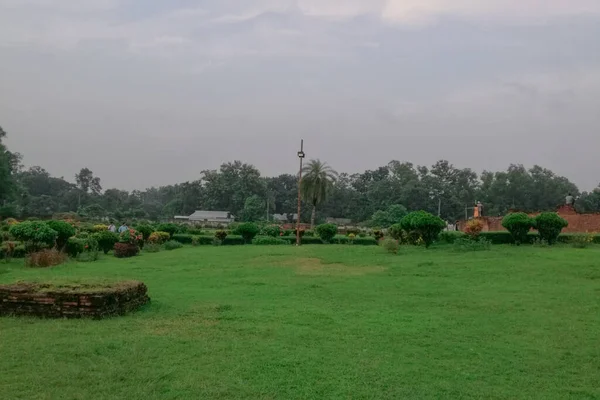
473,229
131,236
581,241
126,250
100,228
158,237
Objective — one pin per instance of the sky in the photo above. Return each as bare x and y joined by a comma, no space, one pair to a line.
149,92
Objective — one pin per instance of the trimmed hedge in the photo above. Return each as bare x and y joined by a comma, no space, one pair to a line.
449,237
184,238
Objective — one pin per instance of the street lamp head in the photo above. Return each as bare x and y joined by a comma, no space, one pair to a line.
301,154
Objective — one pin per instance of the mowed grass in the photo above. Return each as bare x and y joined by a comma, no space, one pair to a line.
321,322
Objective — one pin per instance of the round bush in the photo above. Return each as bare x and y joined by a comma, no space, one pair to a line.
269,240
171,229
549,226
158,237
35,234
145,230
64,231
396,231
519,225
424,224
75,246
173,245
271,230
248,231
327,232
106,240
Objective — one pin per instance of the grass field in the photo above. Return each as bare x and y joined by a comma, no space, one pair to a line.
321,322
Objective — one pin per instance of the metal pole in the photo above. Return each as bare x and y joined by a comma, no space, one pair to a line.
301,156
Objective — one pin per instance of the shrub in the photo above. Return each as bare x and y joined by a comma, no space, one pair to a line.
309,233
220,235
195,231
233,240
173,245
106,240
152,248
196,240
99,228
396,232
378,234
183,238
473,229
288,232
10,250
464,244
269,240
146,231
549,226
497,237
327,232
158,237
45,258
171,229
351,236
449,237
426,225
248,231
518,225
34,234
131,236
271,230
126,250
64,231
301,231
390,245
75,246
581,241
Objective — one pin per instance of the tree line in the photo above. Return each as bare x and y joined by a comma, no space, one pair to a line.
441,189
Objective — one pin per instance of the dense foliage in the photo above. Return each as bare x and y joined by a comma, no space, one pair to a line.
171,229
248,231
518,224
35,234
549,226
427,226
64,231
126,250
327,232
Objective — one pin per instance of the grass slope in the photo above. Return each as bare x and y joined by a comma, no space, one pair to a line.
320,322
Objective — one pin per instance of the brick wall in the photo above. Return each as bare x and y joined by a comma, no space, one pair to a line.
578,223
72,301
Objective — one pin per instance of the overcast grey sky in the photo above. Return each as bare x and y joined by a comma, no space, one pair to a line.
151,92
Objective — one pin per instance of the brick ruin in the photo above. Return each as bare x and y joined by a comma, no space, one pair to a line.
72,301
578,223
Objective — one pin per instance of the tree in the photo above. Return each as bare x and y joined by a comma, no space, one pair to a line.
316,185
253,209
7,164
393,215
87,182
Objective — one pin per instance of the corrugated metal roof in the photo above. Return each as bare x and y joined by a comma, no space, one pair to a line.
211,215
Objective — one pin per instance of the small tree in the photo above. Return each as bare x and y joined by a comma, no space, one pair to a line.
248,230
549,226
473,229
35,234
106,240
426,225
327,232
519,225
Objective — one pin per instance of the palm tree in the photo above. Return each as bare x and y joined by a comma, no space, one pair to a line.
316,184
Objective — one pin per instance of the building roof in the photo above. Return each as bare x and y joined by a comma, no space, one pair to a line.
211,216
284,217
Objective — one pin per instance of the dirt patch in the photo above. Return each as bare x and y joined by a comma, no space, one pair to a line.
314,266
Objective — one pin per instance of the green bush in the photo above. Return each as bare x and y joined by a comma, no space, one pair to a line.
269,240
195,231
519,225
64,231
390,245
220,235
35,235
327,232
152,248
549,226
426,225
498,237
234,240
12,249
396,231
145,230
75,246
365,241
309,233
271,230
171,229
173,245
106,240
465,244
449,237
183,238
159,237
248,231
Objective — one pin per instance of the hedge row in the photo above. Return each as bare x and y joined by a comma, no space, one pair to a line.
238,240
502,237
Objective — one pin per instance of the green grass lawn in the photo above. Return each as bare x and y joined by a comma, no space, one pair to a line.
321,322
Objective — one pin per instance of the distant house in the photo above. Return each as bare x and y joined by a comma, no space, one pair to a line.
339,221
211,217
285,218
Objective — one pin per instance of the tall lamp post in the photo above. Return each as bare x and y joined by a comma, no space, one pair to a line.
301,156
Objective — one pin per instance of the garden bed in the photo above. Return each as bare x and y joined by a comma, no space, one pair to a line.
72,301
